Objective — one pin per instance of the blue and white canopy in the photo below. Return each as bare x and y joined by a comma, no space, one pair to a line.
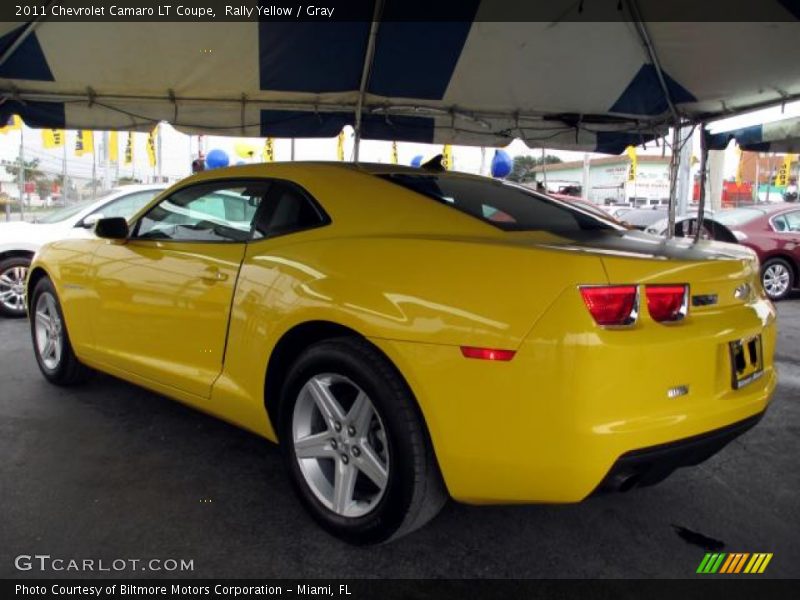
778,136
568,84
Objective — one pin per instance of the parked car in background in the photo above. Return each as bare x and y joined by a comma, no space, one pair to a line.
20,240
617,211
686,226
773,231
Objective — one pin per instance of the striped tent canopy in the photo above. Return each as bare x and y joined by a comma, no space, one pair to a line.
565,80
778,136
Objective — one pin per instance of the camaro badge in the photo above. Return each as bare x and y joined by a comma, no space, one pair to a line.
677,391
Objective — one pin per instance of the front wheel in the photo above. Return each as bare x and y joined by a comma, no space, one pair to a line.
51,345
355,444
13,276
777,278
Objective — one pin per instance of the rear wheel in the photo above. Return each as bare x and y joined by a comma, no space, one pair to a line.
355,445
13,277
51,344
777,278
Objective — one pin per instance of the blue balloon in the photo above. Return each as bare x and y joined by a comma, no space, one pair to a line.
501,164
217,158
416,161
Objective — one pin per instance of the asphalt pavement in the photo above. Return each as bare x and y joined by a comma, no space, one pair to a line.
111,471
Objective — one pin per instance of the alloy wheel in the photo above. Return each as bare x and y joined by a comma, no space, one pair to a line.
340,445
12,288
776,280
49,331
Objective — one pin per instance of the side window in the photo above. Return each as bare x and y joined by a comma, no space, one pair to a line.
208,212
286,209
793,221
126,206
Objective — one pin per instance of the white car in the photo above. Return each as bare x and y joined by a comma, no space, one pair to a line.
20,240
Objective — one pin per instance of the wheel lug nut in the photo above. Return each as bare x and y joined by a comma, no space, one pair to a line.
351,431
345,458
356,451
337,426
334,444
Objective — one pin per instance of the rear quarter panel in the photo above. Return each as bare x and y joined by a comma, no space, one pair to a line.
444,292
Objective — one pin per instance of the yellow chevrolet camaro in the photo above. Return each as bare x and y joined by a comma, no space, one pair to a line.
410,335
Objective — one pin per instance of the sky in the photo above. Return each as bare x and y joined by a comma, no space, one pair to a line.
178,149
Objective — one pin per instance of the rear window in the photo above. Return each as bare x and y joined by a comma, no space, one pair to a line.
737,216
644,217
505,206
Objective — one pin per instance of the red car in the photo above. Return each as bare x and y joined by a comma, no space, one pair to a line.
773,231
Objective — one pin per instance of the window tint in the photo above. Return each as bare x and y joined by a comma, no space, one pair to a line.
286,209
792,220
211,212
507,207
126,206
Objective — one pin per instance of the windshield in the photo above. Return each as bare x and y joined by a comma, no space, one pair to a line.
738,216
64,213
504,206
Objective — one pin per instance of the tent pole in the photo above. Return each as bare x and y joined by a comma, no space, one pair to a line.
544,171
673,179
701,202
641,29
365,73
64,186
26,32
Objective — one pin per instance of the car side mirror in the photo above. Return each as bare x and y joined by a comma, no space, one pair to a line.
112,228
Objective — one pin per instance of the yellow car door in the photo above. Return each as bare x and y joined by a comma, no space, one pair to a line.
163,297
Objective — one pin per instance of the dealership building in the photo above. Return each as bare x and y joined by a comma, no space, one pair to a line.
609,179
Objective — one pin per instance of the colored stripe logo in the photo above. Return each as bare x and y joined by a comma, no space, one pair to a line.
734,562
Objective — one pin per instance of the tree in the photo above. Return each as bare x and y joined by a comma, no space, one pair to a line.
522,170
44,187
32,172
128,180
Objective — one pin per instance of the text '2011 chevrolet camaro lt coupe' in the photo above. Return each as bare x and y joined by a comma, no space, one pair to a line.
410,335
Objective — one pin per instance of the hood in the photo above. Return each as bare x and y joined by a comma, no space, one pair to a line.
28,235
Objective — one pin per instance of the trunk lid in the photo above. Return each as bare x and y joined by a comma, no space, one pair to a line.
713,270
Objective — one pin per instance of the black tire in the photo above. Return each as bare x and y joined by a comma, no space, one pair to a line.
10,270
67,370
414,492
768,268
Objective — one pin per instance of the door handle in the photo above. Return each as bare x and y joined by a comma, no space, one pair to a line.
213,275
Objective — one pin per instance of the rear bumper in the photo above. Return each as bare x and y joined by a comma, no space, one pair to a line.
550,425
649,466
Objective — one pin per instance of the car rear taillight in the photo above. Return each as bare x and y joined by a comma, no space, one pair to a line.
667,303
487,353
611,305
